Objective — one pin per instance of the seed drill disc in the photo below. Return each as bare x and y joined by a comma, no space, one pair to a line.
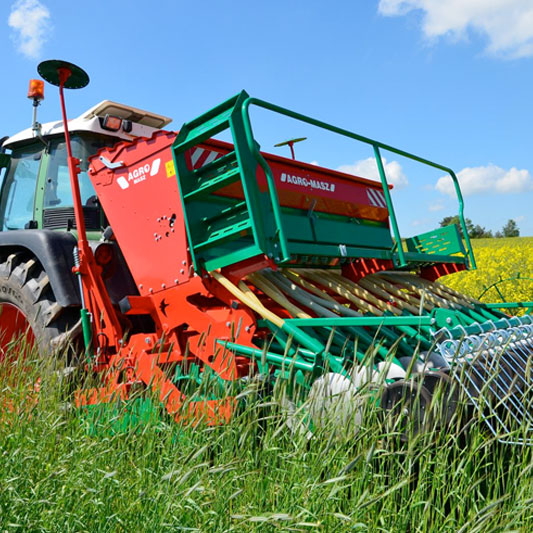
49,71
407,405
444,393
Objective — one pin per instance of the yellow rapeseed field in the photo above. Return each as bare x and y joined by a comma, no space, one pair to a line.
498,259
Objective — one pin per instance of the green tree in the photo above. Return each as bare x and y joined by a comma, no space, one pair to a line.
448,221
479,232
511,229
474,232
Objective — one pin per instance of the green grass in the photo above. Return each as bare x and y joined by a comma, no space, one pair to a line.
59,474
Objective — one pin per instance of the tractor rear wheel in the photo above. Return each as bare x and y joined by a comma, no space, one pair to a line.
28,306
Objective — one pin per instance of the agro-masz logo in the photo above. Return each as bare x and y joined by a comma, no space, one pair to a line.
139,174
307,182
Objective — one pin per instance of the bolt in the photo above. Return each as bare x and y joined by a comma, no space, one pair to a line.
176,281
184,262
155,234
140,285
247,329
150,290
147,340
182,271
172,230
449,320
228,324
163,286
159,219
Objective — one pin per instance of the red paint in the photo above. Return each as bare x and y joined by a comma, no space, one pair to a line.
359,268
15,328
434,272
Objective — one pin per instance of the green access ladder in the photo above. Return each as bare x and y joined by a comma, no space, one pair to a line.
224,230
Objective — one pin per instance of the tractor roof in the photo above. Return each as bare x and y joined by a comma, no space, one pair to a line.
144,123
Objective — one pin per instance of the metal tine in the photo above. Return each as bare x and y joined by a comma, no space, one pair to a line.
500,356
495,364
515,362
508,394
479,407
503,405
489,383
504,361
527,383
519,345
524,358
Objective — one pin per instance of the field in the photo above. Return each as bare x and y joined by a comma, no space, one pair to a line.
60,471
498,259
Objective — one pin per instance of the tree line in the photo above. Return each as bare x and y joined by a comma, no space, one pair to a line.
510,229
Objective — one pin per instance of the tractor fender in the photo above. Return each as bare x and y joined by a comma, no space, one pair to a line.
53,249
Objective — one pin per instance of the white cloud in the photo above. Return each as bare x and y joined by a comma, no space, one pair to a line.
507,24
439,206
367,168
489,179
420,222
30,21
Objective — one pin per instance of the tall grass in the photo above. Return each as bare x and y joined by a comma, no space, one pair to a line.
60,471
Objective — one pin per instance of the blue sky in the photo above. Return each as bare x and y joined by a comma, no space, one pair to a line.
450,80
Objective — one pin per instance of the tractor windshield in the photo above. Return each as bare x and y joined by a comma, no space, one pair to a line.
57,189
16,208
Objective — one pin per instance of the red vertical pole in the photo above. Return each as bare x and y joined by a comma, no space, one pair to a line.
91,285
291,146
73,166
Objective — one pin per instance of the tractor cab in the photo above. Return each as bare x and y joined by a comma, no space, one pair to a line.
35,191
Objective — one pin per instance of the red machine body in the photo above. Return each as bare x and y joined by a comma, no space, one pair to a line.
141,200
137,187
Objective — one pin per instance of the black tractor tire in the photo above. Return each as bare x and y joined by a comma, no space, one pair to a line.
25,284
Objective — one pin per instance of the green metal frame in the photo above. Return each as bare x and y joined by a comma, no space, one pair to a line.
223,231
377,146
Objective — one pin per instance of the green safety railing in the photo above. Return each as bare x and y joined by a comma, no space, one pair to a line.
376,145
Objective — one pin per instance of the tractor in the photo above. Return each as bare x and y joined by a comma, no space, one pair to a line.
172,258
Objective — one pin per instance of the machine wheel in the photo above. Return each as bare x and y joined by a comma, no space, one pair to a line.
28,306
406,404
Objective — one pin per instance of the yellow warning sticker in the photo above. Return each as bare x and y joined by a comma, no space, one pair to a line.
171,171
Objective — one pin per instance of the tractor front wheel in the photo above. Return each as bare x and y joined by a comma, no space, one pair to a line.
28,306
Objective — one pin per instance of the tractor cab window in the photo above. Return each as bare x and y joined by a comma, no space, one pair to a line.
58,192
18,190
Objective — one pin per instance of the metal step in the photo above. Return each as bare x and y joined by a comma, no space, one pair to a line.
224,234
227,212
216,183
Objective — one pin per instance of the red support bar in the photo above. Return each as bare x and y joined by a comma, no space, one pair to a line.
359,268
